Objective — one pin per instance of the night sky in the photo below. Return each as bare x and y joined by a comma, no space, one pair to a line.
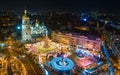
60,5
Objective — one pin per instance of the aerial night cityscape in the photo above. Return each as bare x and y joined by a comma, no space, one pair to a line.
59,37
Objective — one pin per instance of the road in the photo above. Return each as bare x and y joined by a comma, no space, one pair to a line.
31,67
107,56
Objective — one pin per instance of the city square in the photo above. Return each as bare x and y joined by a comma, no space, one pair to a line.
57,40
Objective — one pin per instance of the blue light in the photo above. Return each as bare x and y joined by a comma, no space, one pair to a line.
84,19
56,64
18,27
46,72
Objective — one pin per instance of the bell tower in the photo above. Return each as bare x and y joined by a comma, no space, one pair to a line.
26,30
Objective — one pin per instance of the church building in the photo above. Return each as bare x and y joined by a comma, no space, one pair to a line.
30,31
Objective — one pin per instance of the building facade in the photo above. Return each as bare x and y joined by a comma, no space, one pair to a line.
75,40
38,29
29,31
26,30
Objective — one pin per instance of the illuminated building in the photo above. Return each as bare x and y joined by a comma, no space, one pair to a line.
31,31
75,40
26,31
38,29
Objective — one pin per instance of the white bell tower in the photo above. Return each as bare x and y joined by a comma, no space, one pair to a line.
26,30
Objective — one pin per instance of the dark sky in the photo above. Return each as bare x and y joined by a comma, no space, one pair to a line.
61,5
